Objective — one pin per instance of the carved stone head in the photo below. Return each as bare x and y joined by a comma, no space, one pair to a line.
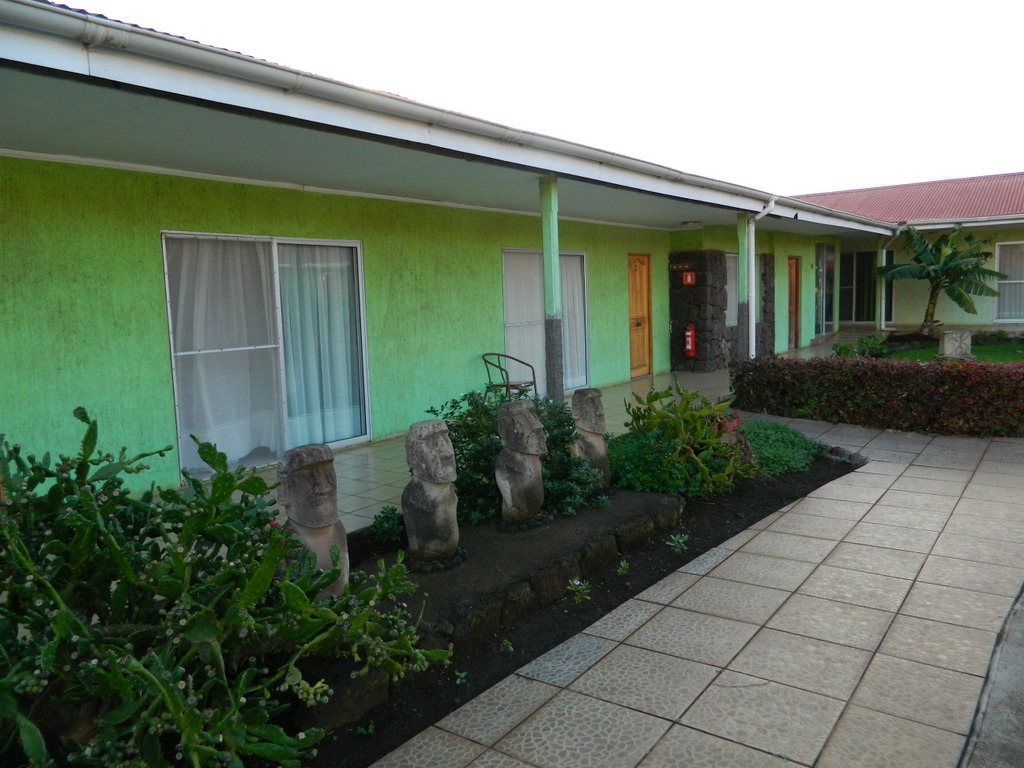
309,485
588,411
429,452
520,429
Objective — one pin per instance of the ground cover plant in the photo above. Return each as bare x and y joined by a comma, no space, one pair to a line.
165,627
674,445
569,482
779,449
982,353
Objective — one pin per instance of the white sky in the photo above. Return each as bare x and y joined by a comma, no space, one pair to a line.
791,96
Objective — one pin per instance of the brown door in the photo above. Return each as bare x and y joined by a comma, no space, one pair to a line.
794,302
639,315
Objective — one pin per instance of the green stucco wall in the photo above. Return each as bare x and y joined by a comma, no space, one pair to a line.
84,299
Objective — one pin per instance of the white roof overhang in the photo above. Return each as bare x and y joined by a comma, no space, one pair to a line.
84,89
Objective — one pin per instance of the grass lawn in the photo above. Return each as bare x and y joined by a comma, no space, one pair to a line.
985,353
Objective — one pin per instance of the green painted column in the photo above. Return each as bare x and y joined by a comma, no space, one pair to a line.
552,288
742,304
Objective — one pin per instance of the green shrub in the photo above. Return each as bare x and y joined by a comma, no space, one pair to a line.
161,628
569,482
867,346
949,398
674,445
779,449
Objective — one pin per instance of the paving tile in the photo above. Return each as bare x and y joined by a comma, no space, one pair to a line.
893,537
732,600
938,473
803,662
498,710
1007,553
879,466
957,606
683,746
925,694
986,528
775,718
848,434
932,486
865,480
624,620
843,510
992,493
564,663
669,588
870,590
705,562
947,460
764,571
845,492
812,525
993,466
964,649
914,500
925,519
996,510
738,540
789,546
646,681
1001,479
888,455
577,731
881,560
966,574
836,622
765,521
432,748
695,636
868,739
492,759
901,441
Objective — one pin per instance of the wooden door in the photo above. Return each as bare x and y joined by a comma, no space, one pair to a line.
794,302
639,315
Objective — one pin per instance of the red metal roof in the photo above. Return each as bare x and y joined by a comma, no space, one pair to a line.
952,199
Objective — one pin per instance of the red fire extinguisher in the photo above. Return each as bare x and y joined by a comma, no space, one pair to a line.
690,341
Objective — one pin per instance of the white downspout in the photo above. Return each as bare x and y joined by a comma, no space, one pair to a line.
752,276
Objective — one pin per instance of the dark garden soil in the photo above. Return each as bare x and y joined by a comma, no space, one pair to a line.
491,641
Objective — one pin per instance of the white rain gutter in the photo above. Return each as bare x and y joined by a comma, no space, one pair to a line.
104,35
752,275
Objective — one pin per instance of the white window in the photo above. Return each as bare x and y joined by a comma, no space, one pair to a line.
732,289
523,286
1010,261
267,345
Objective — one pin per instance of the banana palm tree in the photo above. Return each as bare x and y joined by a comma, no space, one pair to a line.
953,264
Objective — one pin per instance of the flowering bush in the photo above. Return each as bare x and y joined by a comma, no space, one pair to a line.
949,398
675,445
139,629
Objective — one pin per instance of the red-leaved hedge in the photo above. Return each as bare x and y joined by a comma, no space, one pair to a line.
946,398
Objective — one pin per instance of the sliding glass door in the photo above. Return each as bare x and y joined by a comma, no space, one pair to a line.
267,345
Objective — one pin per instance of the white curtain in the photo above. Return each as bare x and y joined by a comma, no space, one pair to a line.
574,322
523,288
224,346
1010,304
322,343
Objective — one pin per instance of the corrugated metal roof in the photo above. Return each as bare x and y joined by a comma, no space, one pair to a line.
952,199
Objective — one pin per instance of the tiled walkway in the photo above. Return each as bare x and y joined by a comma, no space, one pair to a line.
852,629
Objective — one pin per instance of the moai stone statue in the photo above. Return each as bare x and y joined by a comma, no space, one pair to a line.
588,413
429,503
309,495
518,470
